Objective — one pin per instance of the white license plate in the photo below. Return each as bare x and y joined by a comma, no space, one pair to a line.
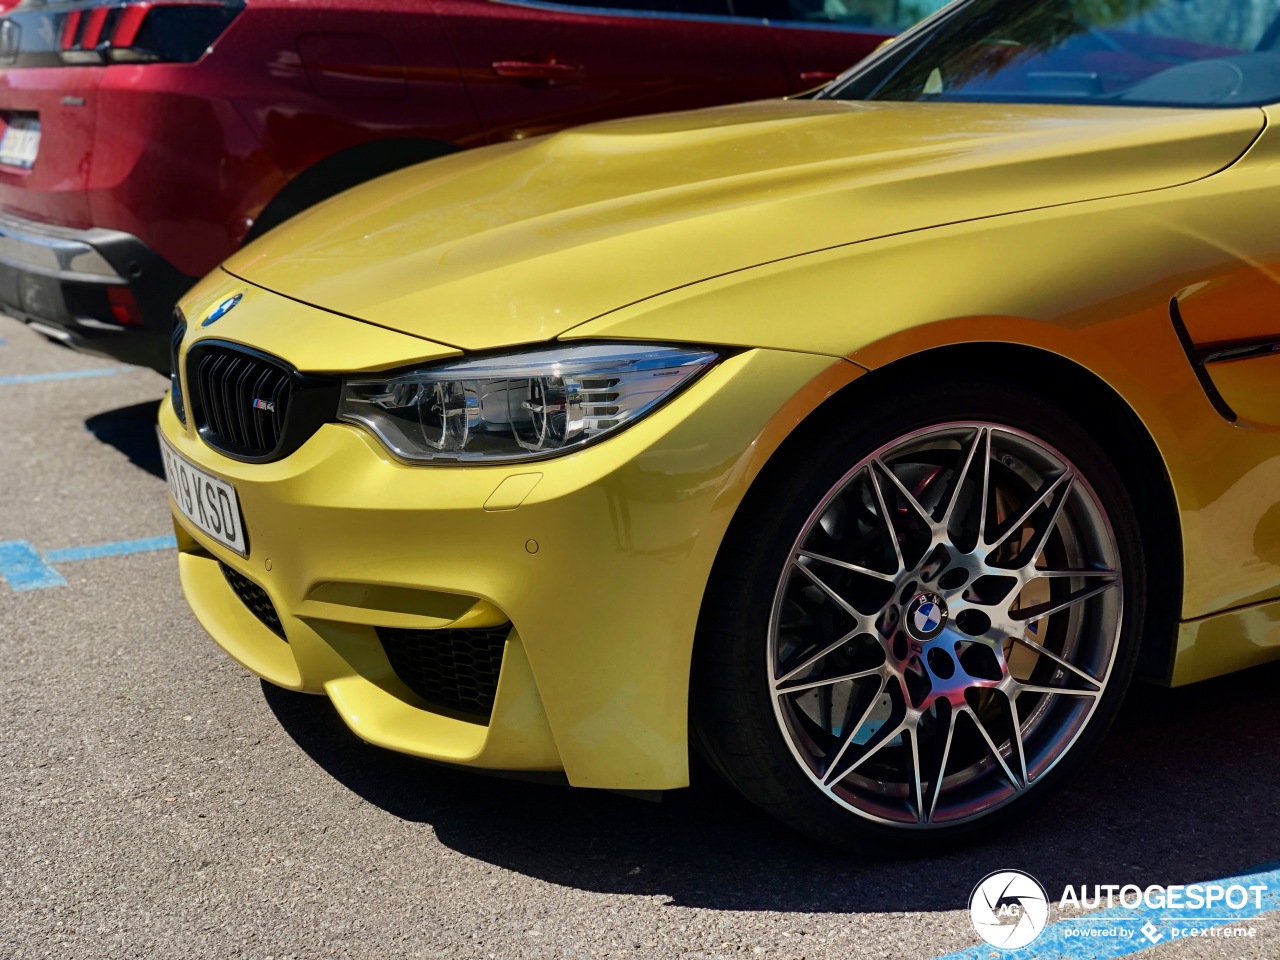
207,501
20,143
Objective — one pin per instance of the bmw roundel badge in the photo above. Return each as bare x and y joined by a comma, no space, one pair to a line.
222,309
926,616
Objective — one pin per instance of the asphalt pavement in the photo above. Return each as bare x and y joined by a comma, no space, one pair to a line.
158,801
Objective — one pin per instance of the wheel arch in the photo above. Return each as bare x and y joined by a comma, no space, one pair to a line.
341,171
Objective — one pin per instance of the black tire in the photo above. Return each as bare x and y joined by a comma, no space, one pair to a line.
733,722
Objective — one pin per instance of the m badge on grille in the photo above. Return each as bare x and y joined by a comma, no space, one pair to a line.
267,405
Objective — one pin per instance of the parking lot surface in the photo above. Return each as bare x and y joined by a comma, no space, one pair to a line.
158,801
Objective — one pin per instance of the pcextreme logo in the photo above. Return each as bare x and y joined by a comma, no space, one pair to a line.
1009,909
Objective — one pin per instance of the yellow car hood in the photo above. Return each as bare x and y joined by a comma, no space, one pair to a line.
519,242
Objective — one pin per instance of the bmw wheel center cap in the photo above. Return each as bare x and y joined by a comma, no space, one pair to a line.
926,616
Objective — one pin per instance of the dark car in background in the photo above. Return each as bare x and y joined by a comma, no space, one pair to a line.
141,143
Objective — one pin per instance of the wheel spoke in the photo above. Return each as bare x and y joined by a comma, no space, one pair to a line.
942,766
888,522
995,751
1020,687
1046,652
912,502
845,565
1037,573
912,732
813,658
838,600
1019,748
882,737
1041,610
1035,545
846,738
984,493
785,687
979,439
1049,489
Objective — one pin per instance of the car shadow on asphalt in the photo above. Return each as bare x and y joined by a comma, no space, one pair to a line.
132,431
1182,790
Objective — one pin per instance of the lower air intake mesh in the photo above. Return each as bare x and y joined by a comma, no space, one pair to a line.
256,599
456,669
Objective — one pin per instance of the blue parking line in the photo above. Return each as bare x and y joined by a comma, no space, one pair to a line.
61,375
1058,939
118,549
24,568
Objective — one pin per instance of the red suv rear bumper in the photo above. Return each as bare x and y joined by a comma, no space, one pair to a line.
101,291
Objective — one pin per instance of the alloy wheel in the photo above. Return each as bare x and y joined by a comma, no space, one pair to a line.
946,624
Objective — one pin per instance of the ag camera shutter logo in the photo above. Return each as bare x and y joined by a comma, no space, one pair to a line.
1009,909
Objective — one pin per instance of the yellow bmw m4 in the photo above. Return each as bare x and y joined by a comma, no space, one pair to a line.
869,443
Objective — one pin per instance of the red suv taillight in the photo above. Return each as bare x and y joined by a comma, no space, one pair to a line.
170,31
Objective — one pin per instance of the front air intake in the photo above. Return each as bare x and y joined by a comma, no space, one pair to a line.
255,599
454,669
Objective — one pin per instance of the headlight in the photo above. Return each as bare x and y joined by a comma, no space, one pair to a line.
521,406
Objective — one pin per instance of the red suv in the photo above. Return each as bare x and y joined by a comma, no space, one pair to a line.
143,142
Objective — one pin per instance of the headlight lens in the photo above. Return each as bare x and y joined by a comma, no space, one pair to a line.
521,406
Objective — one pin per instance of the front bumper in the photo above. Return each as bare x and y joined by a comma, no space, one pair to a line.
60,281
598,562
